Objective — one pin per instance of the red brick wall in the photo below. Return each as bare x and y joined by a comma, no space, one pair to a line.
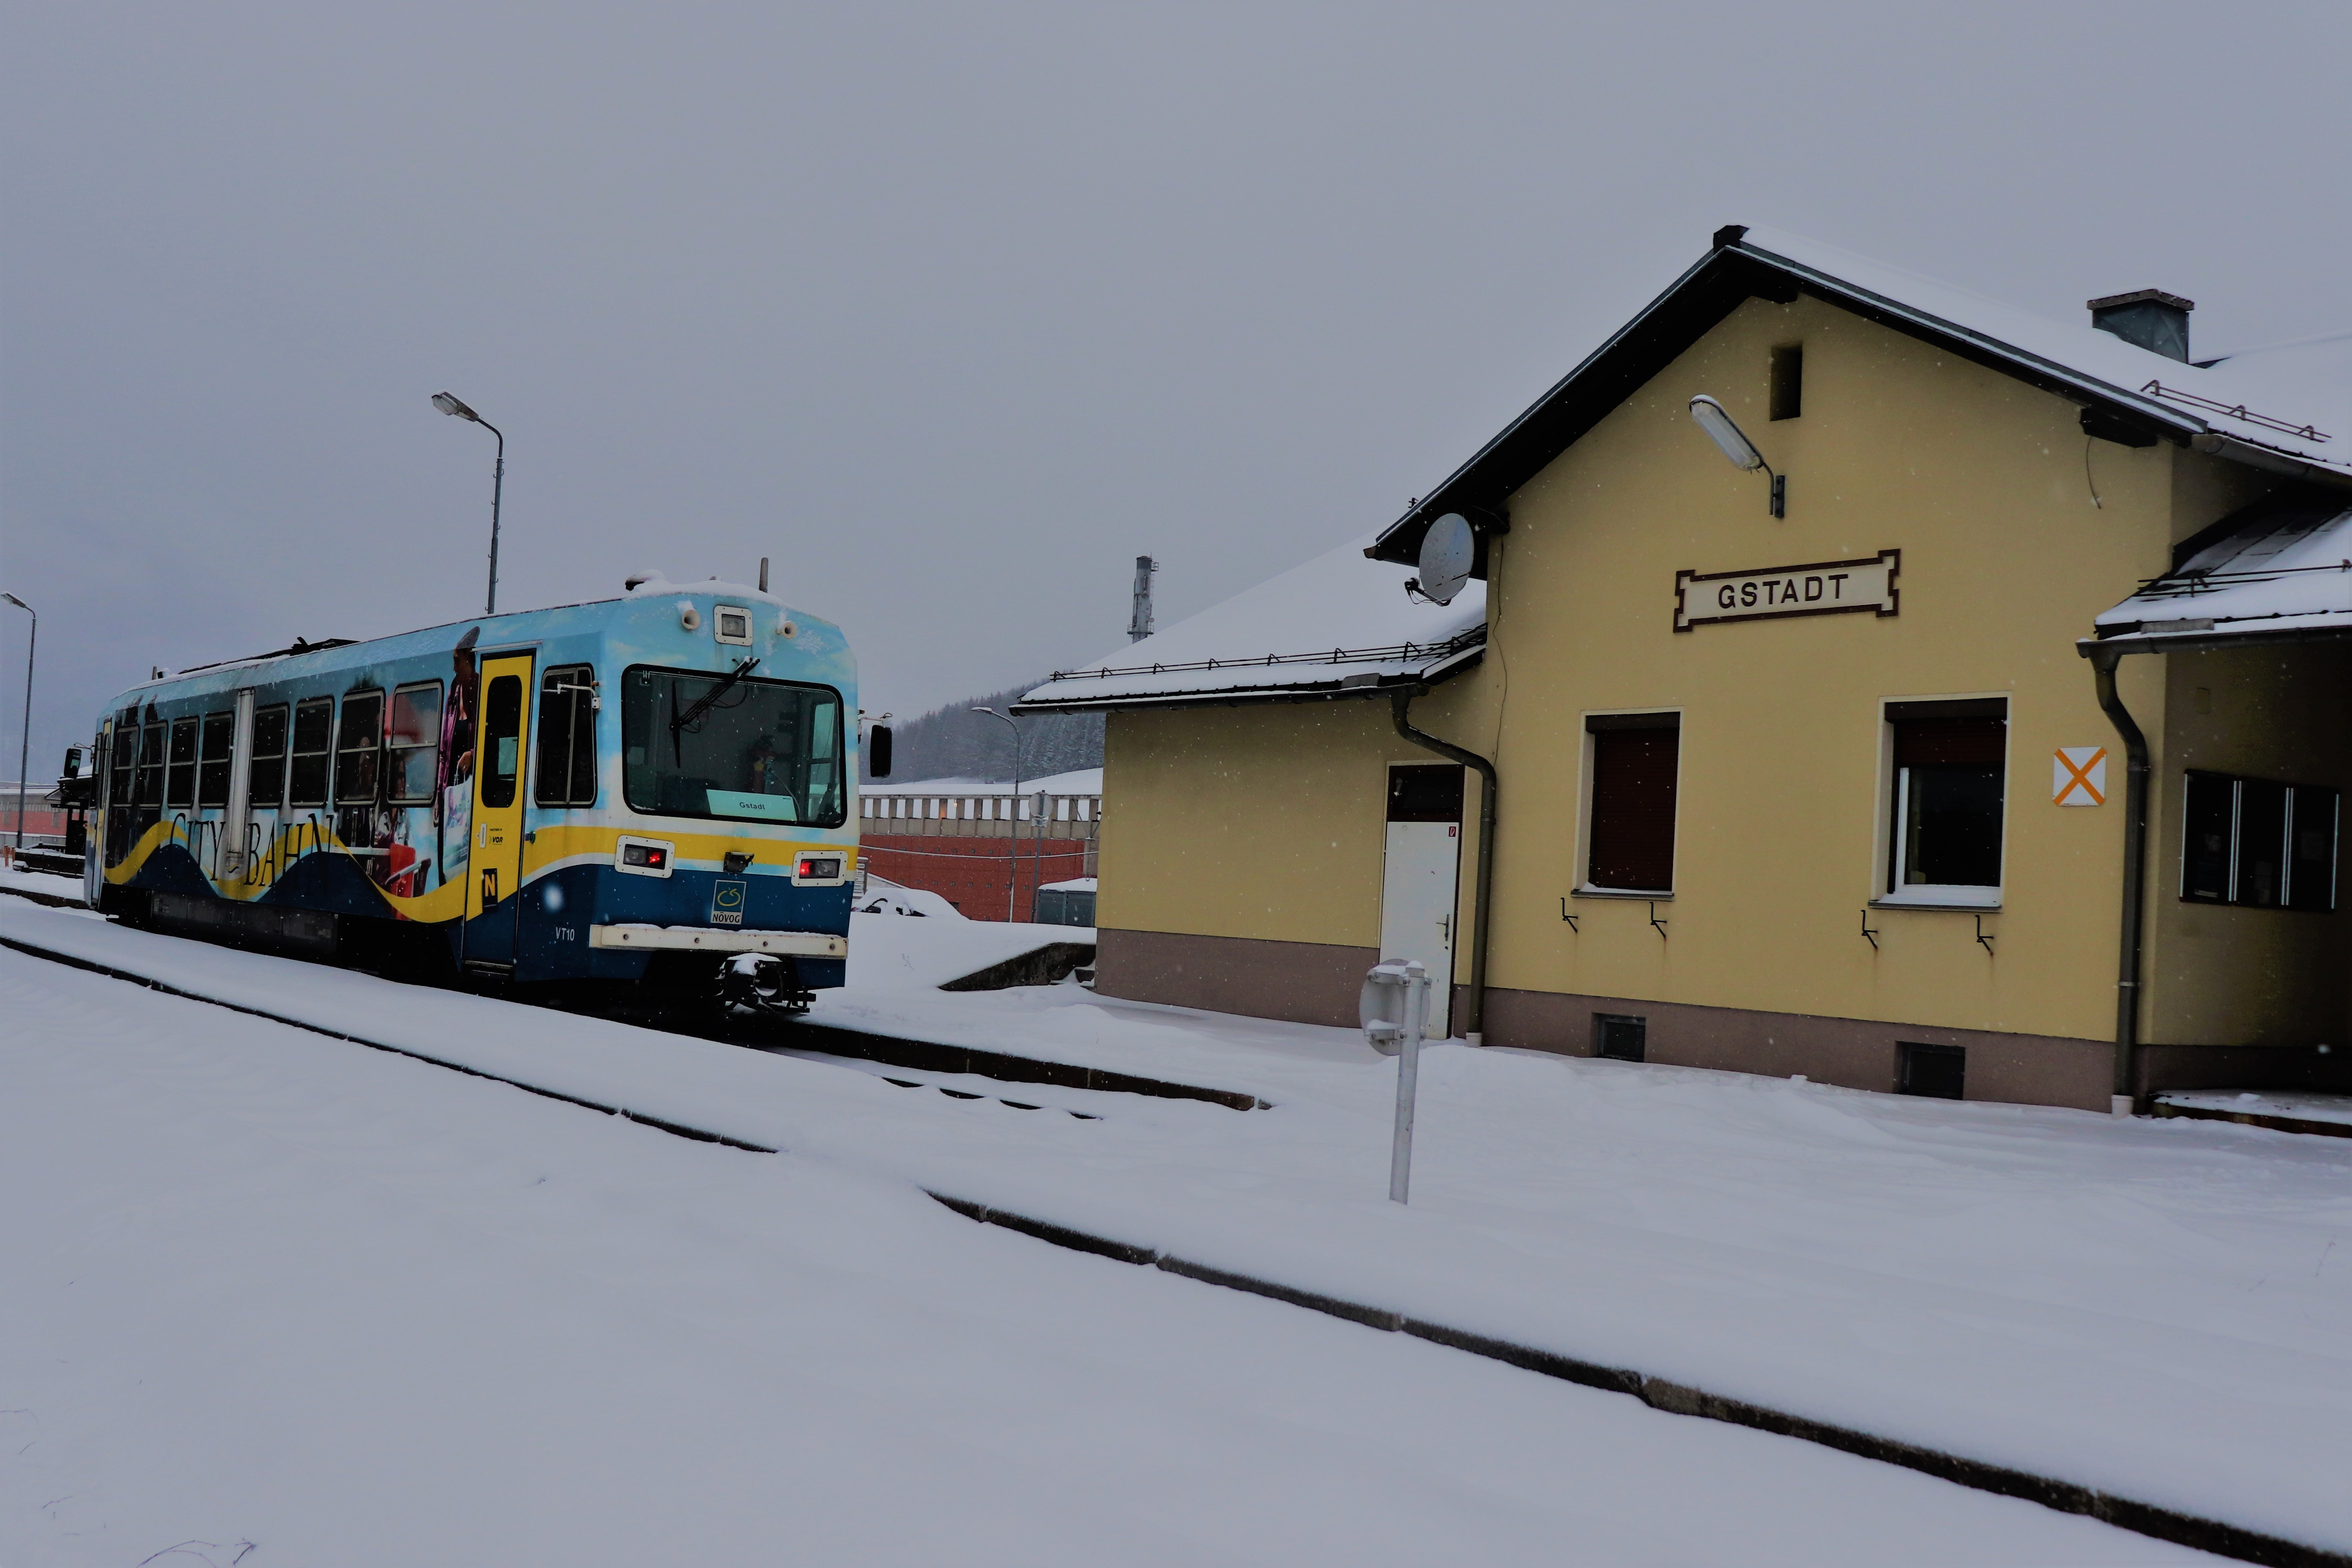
970,873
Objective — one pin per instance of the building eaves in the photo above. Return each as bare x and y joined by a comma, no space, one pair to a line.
1734,270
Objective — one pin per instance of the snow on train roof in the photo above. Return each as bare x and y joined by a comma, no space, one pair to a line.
1339,621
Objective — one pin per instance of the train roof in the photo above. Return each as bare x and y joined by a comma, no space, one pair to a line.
496,630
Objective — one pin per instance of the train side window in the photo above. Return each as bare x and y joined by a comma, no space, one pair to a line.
269,757
151,765
180,789
126,757
359,748
567,737
212,769
314,735
501,754
413,737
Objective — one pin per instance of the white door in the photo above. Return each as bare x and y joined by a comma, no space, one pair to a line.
1421,876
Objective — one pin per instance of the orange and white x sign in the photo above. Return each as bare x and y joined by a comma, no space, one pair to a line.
2078,776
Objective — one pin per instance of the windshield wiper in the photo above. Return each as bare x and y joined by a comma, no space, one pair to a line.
709,699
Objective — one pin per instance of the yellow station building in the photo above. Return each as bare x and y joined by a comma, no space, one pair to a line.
1820,767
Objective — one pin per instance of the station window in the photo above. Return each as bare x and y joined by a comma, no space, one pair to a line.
211,771
180,789
1933,1072
314,736
268,782
1945,813
1620,1038
1636,758
413,738
567,737
359,748
2258,843
1789,381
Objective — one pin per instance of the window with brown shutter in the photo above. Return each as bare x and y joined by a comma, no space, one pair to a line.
1636,758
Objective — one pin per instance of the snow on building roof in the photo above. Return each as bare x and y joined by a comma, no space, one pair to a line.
2280,571
1337,624
2287,408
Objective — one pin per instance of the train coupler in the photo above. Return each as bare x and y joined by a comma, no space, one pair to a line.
763,982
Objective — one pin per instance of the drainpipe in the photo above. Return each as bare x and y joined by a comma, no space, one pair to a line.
1400,702
2103,666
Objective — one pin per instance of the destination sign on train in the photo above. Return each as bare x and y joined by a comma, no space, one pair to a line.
1815,588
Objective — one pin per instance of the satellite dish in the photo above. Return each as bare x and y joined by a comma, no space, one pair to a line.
1447,552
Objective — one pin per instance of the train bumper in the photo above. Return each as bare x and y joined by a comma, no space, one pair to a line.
703,938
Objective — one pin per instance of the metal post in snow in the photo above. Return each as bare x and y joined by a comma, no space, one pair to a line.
1416,1019
25,741
1012,827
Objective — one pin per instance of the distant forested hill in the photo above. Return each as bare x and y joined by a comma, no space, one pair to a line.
953,742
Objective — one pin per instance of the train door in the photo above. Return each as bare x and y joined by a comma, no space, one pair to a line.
1419,873
496,872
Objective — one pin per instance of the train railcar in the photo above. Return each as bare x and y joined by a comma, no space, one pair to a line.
659,788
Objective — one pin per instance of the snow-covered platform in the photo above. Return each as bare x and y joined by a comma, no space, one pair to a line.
2281,1110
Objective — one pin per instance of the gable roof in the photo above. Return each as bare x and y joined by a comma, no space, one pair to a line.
2258,409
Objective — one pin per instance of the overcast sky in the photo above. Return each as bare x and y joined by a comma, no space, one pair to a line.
953,311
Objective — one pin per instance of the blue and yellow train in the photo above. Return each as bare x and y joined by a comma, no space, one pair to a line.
655,788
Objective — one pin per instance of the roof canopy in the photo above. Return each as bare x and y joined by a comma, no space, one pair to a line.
2279,570
2256,408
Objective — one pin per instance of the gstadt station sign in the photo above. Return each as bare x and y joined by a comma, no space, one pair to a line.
1816,588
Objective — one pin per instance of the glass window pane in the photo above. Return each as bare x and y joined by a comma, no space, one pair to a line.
2206,831
211,773
268,757
413,733
562,711
360,736
2311,872
181,791
313,729
150,766
2261,844
1951,828
755,751
501,740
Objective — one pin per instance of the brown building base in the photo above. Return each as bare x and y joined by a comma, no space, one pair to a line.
1311,982
1297,981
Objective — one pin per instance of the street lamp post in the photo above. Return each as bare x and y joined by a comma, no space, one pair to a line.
448,405
1012,828
25,741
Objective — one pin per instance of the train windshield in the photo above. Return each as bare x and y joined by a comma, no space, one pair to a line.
744,749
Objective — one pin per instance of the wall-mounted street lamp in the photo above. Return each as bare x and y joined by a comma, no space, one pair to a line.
1738,447
24,742
448,405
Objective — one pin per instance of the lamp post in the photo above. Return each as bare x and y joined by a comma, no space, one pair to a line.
25,741
1012,828
448,405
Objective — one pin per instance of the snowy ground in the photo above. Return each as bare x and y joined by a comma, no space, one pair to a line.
2151,1308
909,953
42,882
286,1293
